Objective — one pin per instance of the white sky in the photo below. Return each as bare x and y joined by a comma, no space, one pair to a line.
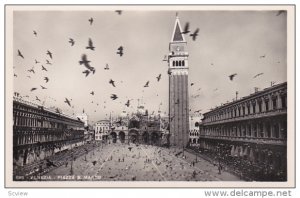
232,40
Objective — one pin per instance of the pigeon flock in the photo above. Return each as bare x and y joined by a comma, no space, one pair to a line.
90,68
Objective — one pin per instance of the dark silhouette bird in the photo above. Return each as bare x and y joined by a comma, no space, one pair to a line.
120,51
46,79
258,75
84,60
31,70
158,77
112,83
186,28
91,20
43,87
33,89
48,62
71,41
119,12
20,54
50,163
35,33
92,93
195,34
15,75
106,67
67,101
94,162
86,72
165,58
86,63
113,96
49,53
280,12
36,98
90,45
198,111
232,76
43,68
264,56
57,110
147,84
127,103
36,62
192,84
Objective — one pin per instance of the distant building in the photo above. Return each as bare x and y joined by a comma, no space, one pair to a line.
194,132
102,128
250,133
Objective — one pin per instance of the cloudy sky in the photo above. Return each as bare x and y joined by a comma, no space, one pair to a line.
229,42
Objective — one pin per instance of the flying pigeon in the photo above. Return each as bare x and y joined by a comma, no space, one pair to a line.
48,62
36,98
43,68
90,45
32,89
158,77
46,79
127,103
71,41
106,67
43,87
86,72
232,76
35,33
147,84
186,28
20,54
258,75
119,12
195,34
49,53
120,52
112,82
91,20
113,96
68,101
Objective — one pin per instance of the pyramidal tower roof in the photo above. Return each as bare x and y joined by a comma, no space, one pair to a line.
177,36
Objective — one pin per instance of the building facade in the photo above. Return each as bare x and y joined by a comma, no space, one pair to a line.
102,129
250,133
39,132
178,88
194,132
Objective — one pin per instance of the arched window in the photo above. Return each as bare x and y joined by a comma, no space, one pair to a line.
176,63
173,63
183,63
179,63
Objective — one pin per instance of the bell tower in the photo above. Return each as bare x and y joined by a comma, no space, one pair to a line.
178,88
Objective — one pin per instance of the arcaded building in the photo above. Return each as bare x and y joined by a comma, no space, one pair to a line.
39,132
250,132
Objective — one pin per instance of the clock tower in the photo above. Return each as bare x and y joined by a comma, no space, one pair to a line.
178,88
